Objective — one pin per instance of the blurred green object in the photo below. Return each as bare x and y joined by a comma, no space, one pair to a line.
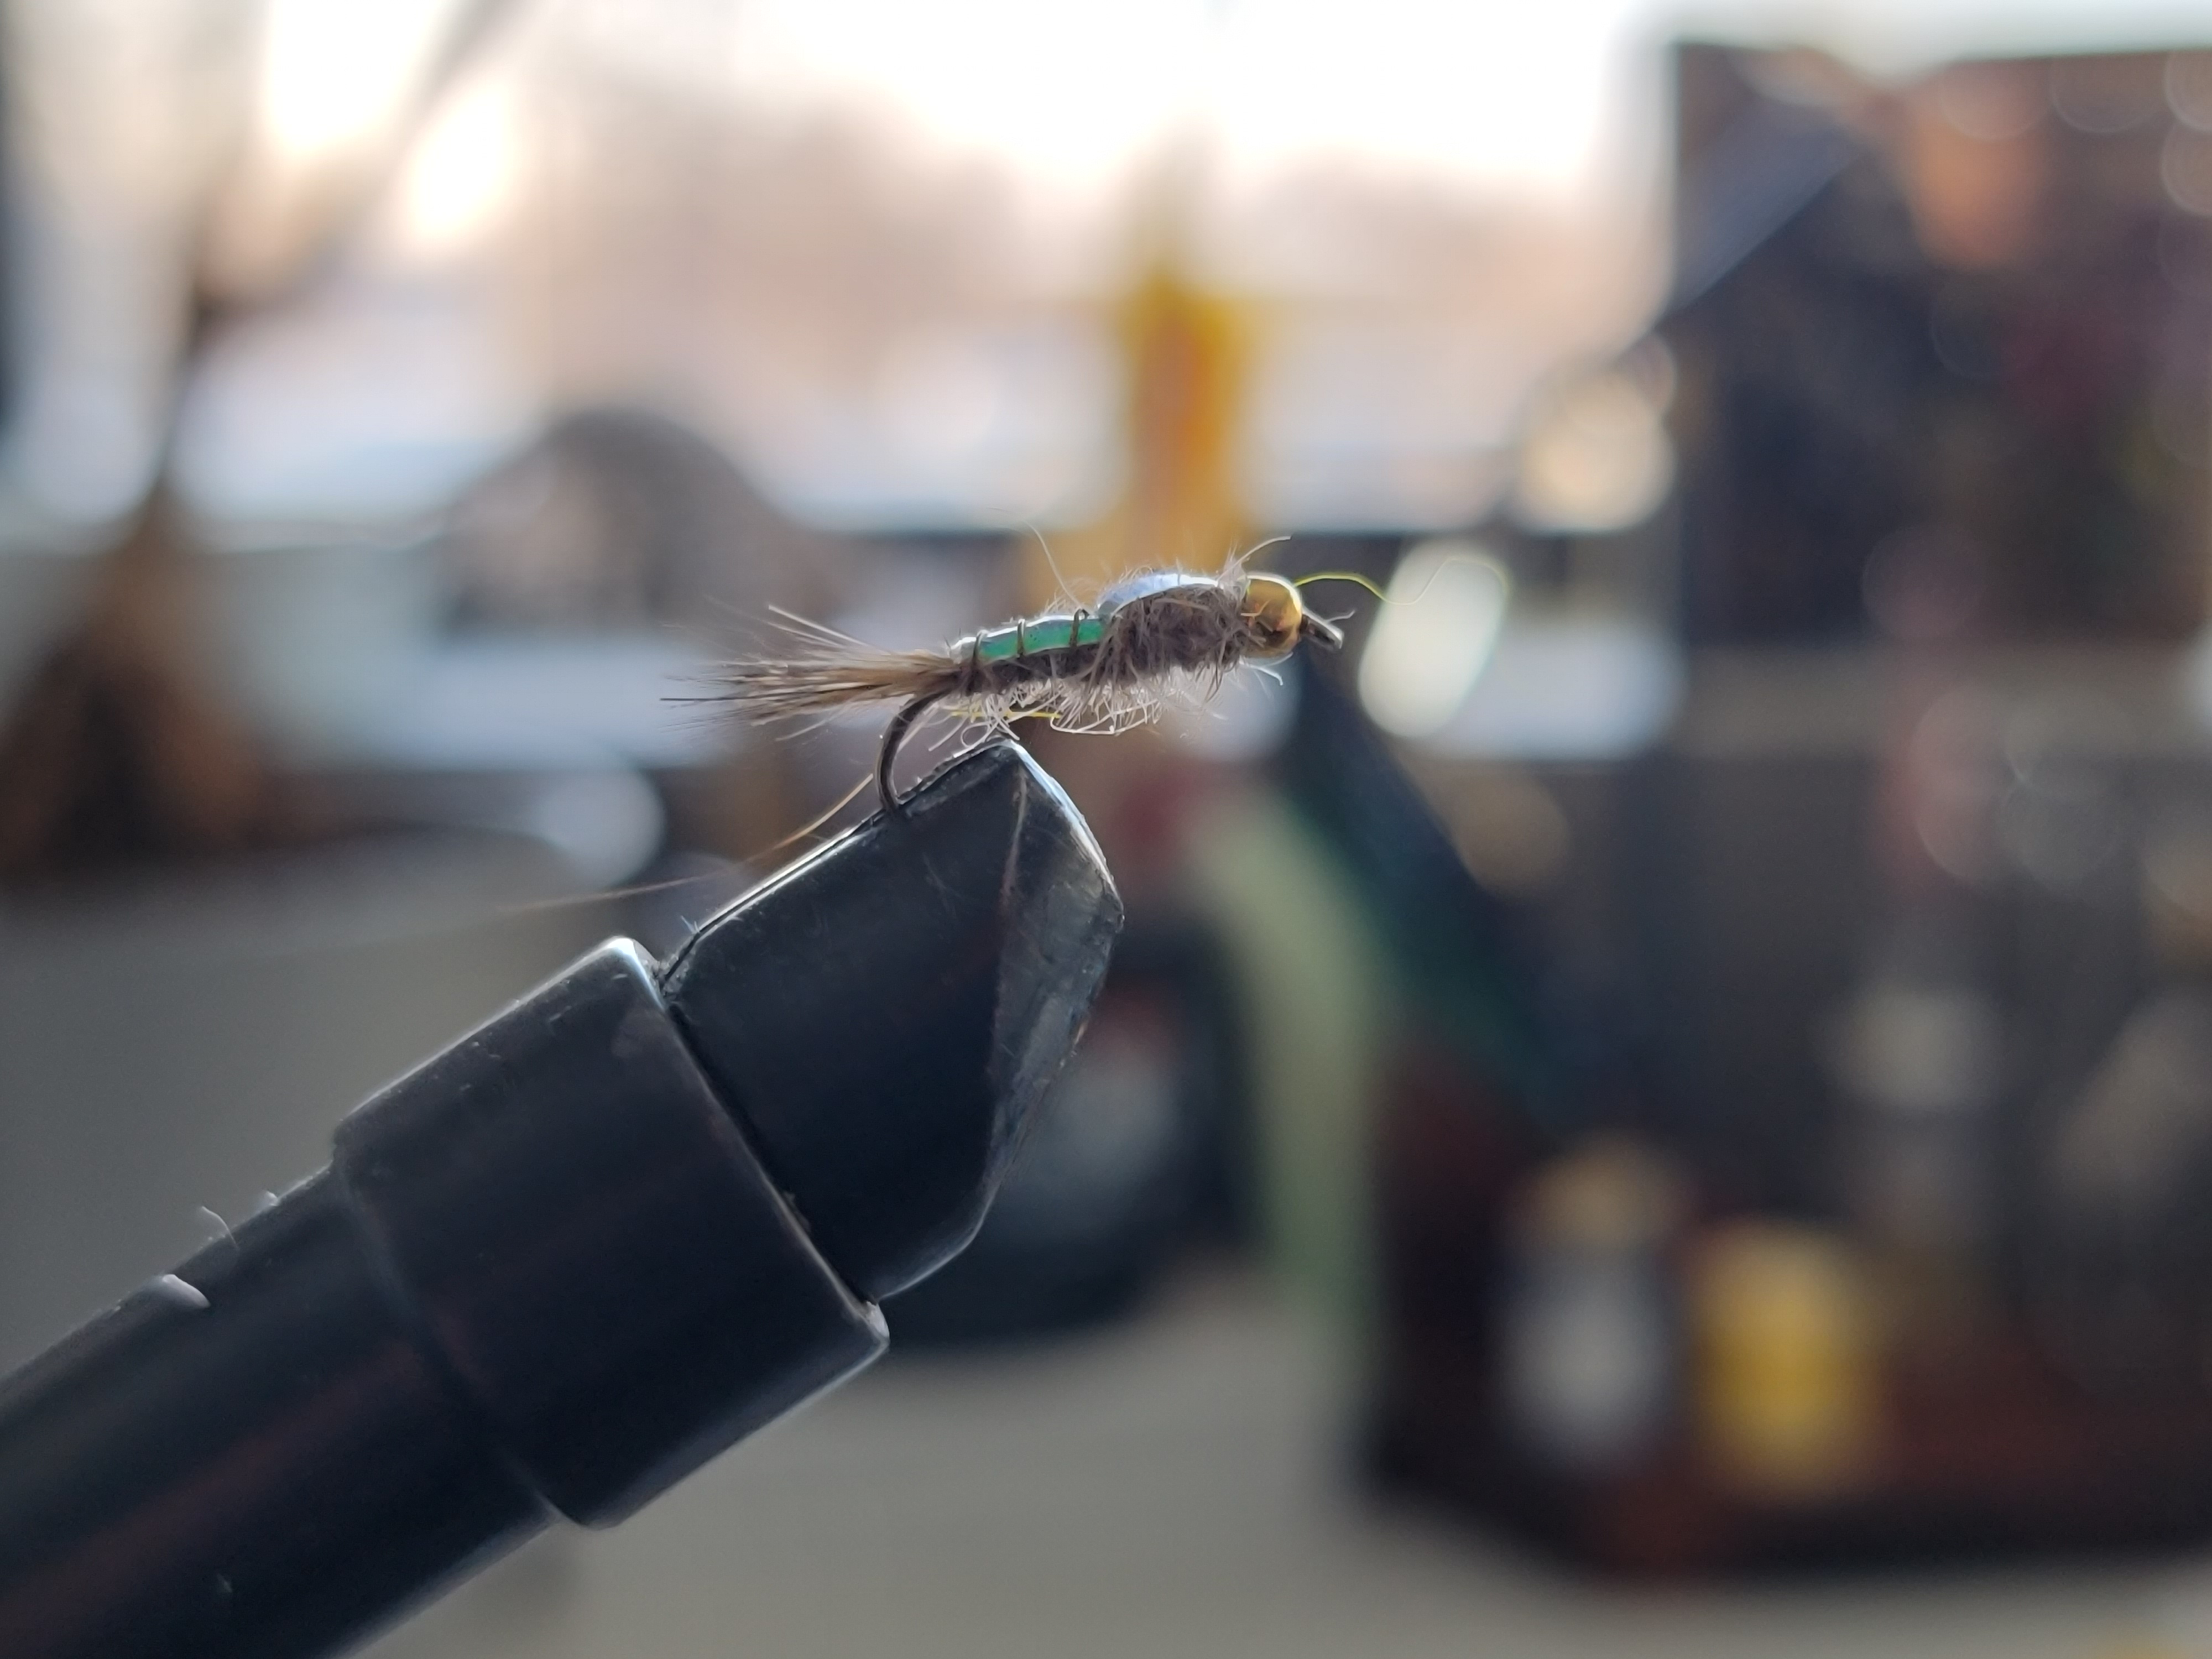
1318,990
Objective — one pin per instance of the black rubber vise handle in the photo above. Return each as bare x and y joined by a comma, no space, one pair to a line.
562,1264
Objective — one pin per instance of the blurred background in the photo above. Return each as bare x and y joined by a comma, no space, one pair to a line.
1662,1101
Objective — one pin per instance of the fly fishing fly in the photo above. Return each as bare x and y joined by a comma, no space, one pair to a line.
1104,668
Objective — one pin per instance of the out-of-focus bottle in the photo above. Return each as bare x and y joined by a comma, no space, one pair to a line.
1591,1338
1789,1385
1918,1054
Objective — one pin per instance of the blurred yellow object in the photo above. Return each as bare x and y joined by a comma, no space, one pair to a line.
1188,353
1787,1389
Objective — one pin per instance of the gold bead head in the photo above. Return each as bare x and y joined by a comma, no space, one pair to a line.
1274,614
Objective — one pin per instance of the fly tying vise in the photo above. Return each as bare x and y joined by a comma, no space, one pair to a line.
1100,669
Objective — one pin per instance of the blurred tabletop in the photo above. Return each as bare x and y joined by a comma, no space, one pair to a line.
1180,1484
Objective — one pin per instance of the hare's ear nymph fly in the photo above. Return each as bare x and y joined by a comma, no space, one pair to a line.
1274,617
1102,668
